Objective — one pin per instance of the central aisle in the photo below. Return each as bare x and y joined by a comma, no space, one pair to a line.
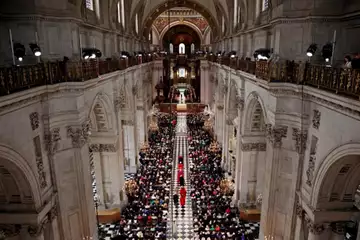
180,225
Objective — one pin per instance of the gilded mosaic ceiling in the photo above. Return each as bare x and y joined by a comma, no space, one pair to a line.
161,23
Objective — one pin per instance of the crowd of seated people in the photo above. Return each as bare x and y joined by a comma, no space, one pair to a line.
214,216
145,217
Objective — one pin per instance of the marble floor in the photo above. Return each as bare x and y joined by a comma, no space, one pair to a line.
180,224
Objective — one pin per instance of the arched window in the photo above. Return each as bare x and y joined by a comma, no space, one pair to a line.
90,4
236,13
223,25
137,23
122,13
265,4
119,12
181,48
171,48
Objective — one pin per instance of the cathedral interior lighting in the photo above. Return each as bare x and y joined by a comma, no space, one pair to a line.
311,50
19,51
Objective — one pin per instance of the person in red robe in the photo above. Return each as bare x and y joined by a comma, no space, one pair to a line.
180,166
180,173
182,196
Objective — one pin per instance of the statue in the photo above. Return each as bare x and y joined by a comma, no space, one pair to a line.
208,112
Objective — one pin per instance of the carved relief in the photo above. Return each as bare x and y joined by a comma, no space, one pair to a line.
9,230
39,162
316,119
34,120
135,90
122,99
276,134
299,210
127,122
310,170
247,147
300,140
79,136
239,103
53,212
103,147
225,89
52,140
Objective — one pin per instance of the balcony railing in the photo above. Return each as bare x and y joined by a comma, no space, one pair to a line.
15,79
338,80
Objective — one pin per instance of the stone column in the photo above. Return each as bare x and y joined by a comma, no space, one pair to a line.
299,227
275,135
129,145
98,174
140,116
203,82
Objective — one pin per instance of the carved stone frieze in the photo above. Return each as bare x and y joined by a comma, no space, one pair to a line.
128,122
247,147
310,170
276,134
34,120
9,230
103,147
300,138
316,119
52,140
79,136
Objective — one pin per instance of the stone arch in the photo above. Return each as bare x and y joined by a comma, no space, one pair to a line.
191,25
255,114
102,114
337,178
150,18
19,188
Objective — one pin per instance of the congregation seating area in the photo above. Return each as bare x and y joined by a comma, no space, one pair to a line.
146,215
214,215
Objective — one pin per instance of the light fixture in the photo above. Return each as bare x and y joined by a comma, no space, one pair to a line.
91,53
35,49
262,54
19,51
86,57
327,52
93,56
232,54
311,50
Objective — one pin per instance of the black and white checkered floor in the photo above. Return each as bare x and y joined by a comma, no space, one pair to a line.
182,218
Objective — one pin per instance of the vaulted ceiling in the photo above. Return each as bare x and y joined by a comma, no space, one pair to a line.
149,10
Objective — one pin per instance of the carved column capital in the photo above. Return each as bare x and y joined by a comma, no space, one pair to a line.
247,147
275,134
316,119
34,120
314,228
240,102
79,136
52,140
103,147
300,138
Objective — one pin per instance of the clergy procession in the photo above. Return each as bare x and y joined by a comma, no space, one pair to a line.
179,190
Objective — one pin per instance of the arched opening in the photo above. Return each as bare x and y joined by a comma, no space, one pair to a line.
181,34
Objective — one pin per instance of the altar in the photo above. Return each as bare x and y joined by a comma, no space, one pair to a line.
181,107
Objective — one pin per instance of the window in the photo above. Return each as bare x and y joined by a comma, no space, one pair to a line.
137,23
119,12
122,7
182,72
235,12
265,4
90,5
181,48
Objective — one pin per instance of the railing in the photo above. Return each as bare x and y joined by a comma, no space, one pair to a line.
338,80
15,79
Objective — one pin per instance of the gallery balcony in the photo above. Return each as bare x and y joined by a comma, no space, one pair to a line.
340,81
19,78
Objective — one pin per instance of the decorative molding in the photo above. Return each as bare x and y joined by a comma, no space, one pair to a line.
310,170
9,230
52,140
127,122
34,120
39,162
220,107
247,147
299,210
103,147
316,119
53,213
240,103
276,134
300,140
314,228
79,136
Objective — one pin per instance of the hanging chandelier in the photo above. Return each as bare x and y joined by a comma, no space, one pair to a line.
214,147
131,187
227,187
